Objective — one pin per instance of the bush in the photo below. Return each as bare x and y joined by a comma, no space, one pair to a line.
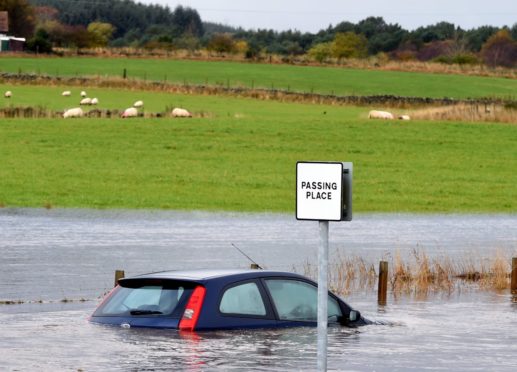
40,43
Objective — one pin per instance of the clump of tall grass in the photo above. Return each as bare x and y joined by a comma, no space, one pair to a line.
416,274
469,112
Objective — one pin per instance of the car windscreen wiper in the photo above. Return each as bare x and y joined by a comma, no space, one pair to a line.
145,312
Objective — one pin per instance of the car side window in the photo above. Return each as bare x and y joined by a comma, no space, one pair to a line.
298,300
243,299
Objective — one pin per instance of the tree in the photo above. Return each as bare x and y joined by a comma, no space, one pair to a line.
477,37
222,43
500,50
187,21
349,45
21,17
40,43
100,33
321,52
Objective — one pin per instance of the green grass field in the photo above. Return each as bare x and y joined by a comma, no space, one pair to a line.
242,157
325,80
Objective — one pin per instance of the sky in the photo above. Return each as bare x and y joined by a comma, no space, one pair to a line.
314,15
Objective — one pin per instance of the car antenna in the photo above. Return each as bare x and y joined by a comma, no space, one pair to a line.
255,265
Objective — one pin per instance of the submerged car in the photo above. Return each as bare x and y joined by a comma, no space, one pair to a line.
219,299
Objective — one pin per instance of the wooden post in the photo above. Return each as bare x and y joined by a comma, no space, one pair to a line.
119,274
514,275
383,283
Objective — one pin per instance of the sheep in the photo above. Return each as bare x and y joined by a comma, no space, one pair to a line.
8,94
130,113
374,114
181,113
83,94
86,101
138,104
404,117
66,93
73,113
94,101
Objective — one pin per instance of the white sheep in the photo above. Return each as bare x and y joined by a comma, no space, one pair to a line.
138,104
86,101
73,113
130,113
8,94
374,114
66,93
404,117
181,113
94,101
83,94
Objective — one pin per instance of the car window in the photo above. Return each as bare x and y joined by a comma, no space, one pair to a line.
142,300
298,300
242,299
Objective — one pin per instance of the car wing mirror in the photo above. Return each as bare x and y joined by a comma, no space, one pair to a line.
352,317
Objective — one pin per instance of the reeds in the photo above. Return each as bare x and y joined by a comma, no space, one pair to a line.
417,273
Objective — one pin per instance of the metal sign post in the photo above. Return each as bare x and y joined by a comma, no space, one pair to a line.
323,193
323,260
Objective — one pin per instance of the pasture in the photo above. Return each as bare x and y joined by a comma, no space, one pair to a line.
241,156
323,80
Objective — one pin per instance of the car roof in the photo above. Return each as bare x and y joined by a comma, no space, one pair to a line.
207,274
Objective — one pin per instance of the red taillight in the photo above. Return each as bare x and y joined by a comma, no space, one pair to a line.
191,313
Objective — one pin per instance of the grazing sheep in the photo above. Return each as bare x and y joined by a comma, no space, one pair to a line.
374,114
404,117
130,113
73,113
83,94
66,93
8,94
181,113
138,104
94,101
86,101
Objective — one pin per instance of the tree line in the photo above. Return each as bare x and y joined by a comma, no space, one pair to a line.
120,23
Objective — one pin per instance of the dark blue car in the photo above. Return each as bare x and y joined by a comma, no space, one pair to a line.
219,299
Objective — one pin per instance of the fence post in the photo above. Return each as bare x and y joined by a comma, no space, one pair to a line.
383,283
119,274
514,275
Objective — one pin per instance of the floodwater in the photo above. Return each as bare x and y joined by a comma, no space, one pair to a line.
59,262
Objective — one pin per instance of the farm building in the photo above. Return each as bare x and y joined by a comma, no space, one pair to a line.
9,43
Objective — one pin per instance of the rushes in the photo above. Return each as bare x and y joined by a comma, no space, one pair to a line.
417,274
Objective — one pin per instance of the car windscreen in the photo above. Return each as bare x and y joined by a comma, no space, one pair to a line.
147,298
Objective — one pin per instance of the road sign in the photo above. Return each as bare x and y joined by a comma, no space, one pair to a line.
323,191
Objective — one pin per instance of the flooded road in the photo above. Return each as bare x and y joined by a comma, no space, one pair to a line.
55,256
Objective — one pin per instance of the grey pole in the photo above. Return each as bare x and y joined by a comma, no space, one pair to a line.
323,260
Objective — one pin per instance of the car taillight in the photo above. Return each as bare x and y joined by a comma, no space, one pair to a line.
192,310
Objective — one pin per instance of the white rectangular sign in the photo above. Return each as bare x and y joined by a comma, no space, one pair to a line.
319,191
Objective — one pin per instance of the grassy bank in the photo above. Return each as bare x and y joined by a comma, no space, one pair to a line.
325,80
242,157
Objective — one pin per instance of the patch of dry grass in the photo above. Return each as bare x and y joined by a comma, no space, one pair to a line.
464,112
